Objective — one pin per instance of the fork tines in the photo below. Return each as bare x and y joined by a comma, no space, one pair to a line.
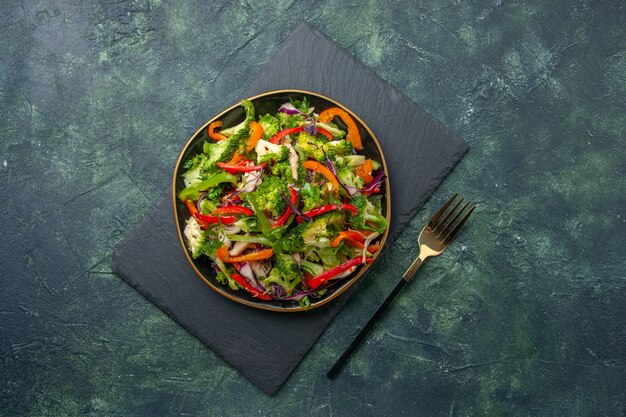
447,228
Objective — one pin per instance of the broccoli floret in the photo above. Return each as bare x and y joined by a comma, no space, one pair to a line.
369,217
377,202
270,124
347,176
196,237
311,146
311,267
285,273
289,120
269,195
221,278
311,197
318,232
337,148
283,170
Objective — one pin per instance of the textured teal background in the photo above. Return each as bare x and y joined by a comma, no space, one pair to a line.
524,316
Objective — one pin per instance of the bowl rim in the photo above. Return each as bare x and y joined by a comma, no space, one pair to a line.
347,284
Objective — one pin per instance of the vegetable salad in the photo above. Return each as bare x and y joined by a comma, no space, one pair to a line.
283,204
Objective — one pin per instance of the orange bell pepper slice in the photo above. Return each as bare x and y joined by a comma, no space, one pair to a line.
327,173
354,239
353,136
365,171
256,133
194,212
213,134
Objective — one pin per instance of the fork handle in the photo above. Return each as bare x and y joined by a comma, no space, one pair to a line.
334,371
414,266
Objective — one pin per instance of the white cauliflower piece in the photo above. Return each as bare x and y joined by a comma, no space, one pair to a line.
195,236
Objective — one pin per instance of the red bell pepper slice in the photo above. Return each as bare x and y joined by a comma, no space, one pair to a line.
283,217
277,137
325,209
204,220
194,212
253,291
240,168
368,193
325,133
331,273
215,219
234,210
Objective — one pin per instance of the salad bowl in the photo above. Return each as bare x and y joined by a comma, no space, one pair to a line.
269,103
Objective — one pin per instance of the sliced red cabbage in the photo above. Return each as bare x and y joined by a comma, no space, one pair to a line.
311,129
289,108
378,179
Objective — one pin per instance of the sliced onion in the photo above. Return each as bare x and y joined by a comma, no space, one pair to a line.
238,247
252,181
232,229
245,271
221,236
297,258
367,242
293,162
199,203
260,268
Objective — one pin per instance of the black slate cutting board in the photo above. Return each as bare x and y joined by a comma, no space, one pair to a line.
419,150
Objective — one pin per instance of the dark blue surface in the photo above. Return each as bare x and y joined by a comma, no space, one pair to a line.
525,315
